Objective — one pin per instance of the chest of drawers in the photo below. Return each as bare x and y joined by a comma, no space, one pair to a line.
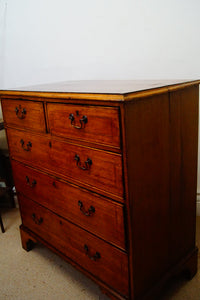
106,176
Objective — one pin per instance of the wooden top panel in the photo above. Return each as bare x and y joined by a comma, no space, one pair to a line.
100,90
102,87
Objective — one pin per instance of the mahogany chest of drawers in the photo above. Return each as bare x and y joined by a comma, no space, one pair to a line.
106,176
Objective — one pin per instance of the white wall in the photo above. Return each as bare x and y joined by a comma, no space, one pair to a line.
45,40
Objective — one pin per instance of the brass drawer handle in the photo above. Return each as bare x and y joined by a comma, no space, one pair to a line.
85,166
92,257
82,121
88,213
34,182
37,221
28,146
20,112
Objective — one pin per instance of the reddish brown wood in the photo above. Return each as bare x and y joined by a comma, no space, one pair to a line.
183,156
27,240
148,162
61,197
127,209
111,267
102,123
101,284
165,233
114,90
105,172
32,119
186,267
147,136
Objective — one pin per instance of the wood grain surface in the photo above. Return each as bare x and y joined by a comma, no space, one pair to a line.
115,195
112,265
107,220
104,90
104,174
101,127
32,119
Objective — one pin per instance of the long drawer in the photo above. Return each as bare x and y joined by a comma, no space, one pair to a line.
94,124
93,168
95,214
24,114
101,259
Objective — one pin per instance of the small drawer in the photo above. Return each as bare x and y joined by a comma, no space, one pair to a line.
95,124
24,114
95,169
102,217
98,257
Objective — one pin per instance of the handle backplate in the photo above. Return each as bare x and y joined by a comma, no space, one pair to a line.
88,213
94,257
34,182
27,147
37,220
20,112
81,121
85,166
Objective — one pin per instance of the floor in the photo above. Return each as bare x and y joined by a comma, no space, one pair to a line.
42,275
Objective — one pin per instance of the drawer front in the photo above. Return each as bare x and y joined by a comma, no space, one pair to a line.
101,217
85,123
24,114
91,167
101,259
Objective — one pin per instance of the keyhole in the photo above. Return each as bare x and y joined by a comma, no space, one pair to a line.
77,113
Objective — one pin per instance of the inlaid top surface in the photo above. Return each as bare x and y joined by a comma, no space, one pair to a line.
102,86
121,89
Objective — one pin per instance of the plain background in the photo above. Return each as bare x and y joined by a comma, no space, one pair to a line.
45,41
